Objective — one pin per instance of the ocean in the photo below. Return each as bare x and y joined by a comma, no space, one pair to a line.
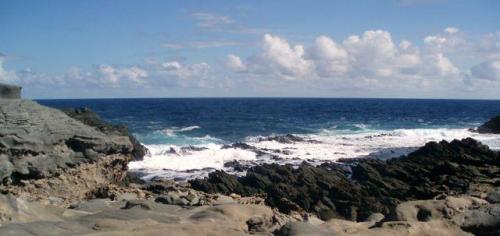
191,137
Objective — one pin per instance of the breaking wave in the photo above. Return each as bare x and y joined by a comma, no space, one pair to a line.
199,156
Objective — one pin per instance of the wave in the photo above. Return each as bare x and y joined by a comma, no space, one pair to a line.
192,161
173,130
173,160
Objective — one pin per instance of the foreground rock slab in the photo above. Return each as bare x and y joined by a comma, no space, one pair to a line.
47,155
139,217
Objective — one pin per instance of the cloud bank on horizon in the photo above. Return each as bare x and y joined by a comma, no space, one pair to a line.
260,61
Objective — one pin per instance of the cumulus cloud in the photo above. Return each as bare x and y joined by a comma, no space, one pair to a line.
113,76
330,58
370,61
372,55
171,73
234,63
285,60
447,41
176,69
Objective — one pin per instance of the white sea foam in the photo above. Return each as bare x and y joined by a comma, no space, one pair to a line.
328,145
372,143
173,160
173,130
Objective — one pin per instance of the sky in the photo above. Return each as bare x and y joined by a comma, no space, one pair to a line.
260,48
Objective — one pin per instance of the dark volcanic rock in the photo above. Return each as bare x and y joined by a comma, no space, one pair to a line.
10,91
373,186
288,138
90,118
239,145
492,126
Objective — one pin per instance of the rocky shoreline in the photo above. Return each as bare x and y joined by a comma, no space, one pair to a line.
65,173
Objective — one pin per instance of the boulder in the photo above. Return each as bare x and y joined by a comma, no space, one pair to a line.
45,153
10,91
90,118
492,126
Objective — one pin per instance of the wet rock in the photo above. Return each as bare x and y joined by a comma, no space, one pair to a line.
191,148
236,165
481,221
239,145
288,138
492,126
371,186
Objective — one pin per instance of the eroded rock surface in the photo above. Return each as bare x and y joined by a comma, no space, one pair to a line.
138,217
45,153
90,118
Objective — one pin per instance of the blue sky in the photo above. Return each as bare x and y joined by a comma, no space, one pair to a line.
405,48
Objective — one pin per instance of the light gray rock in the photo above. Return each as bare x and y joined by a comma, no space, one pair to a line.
48,156
484,220
160,219
36,141
303,229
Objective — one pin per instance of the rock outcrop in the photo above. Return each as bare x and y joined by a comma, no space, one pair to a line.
492,126
10,91
371,186
45,154
90,118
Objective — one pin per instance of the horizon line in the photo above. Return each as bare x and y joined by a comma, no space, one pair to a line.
265,97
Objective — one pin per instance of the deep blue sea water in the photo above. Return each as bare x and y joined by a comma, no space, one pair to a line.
340,128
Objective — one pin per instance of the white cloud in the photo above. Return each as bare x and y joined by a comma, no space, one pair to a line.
234,63
287,61
370,58
373,53
489,70
488,47
330,58
370,61
171,65
115,75
451,30
177,70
